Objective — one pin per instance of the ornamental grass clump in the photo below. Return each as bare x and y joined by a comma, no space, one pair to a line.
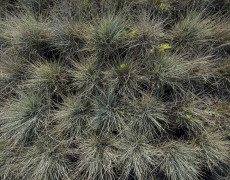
193,117
72,117
148,117
98,156
26,34
67,37
166,70
193,32
108,38
114,90
109,115
181,161
138,157
86,77
125,77
23,119
12,74
47,76
214,151
43,160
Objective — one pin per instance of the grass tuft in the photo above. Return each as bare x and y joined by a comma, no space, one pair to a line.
126,77
181,162
13,73
43,160
148,28
86,77
192,32
26,34
97,158
194,116
108,37
71,117
148,117
109,114
47,76
176,72
214,151
68,37
138,159
23,118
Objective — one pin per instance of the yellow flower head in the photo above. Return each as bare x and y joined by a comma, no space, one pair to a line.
122,66
164,46
162,6
134,31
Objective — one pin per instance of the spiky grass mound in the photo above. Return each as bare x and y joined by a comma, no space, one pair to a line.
114,90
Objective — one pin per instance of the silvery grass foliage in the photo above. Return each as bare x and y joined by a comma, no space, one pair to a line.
26,33
22,120
113,90
193,31
68,37
13,74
